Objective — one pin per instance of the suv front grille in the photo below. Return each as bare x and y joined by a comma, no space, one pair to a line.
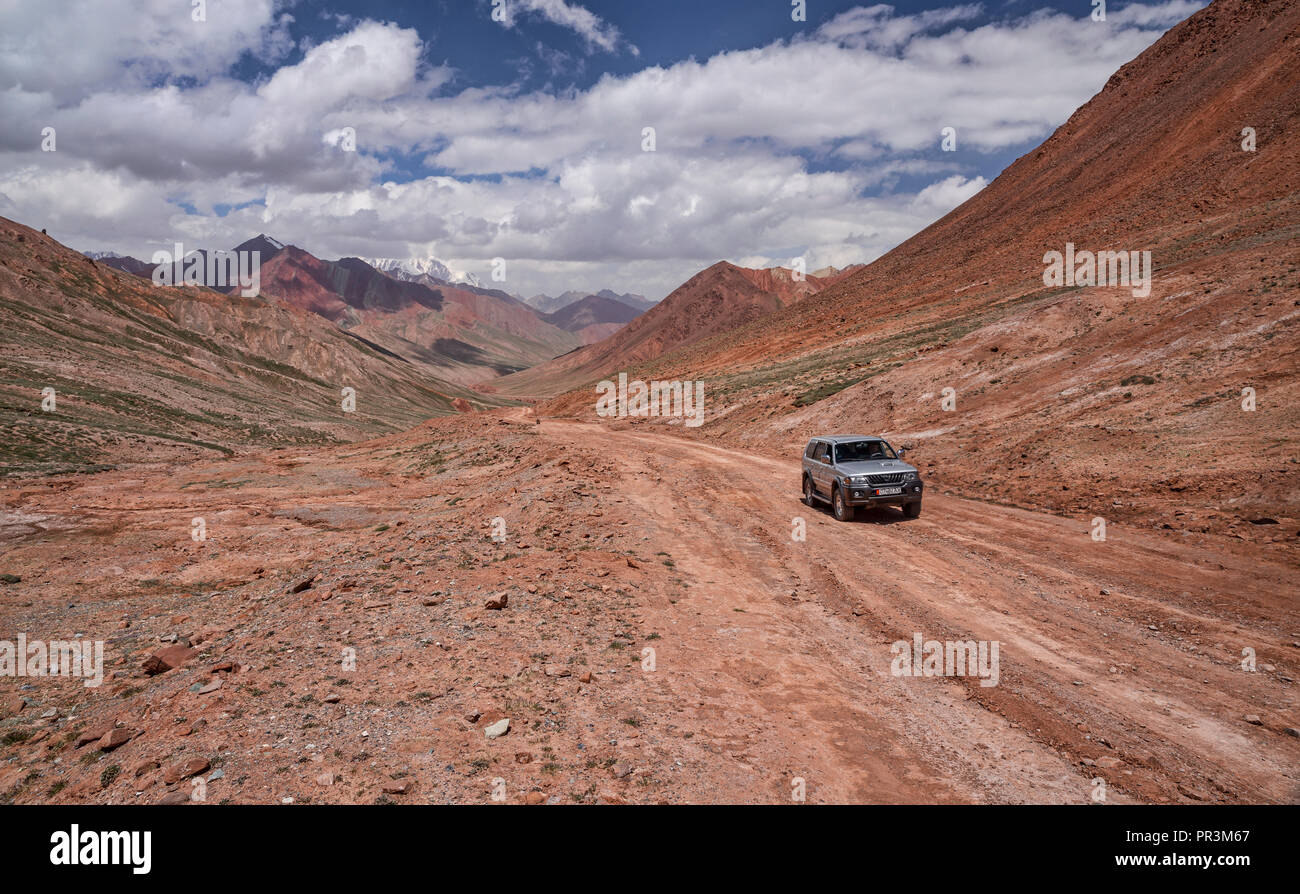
886,478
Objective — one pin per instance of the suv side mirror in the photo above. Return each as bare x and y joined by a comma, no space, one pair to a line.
902,451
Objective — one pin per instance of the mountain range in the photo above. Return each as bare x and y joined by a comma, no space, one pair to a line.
718,299
419,309
143,373
549,304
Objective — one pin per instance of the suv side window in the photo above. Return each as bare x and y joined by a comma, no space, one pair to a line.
819,455
810,449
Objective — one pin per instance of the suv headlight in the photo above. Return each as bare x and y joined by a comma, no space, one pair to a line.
910,476
859,480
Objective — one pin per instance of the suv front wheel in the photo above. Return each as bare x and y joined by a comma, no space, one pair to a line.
843,511
912,510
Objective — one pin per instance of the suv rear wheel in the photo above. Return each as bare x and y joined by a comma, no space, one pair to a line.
843,511
809,495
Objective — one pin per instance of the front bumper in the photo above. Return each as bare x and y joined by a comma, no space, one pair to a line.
869,494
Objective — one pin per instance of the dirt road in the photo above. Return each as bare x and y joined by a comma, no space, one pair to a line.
1125,653
666,639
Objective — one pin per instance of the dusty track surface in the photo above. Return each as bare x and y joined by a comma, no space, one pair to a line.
1122,649
1119,660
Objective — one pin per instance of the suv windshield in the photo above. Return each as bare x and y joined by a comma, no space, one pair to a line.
858,451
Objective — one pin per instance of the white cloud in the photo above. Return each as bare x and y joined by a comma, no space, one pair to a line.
798,147
941,197
594,30
75,48
880,28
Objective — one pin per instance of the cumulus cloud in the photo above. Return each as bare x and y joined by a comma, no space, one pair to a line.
794,148
72,49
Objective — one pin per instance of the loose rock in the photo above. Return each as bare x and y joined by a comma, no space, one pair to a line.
167,659
117,738
192,767
94,733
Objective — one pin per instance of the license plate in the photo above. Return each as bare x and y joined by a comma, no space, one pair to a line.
888,491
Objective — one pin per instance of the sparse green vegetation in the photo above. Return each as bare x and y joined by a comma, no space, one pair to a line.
826,389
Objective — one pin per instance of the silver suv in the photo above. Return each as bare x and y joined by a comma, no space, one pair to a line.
849,471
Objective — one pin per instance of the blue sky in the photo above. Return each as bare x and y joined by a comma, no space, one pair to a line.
427,128
652,32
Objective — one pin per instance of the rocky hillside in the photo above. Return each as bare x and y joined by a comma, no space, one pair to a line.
144,373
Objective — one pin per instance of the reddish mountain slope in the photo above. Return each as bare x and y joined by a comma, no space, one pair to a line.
1153,162
593,318
467,305
297,278
716,300
464,334
590,311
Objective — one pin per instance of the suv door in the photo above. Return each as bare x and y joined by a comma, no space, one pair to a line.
821,470
806,462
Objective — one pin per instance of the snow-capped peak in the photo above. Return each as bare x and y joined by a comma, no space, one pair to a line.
411,268
414,268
